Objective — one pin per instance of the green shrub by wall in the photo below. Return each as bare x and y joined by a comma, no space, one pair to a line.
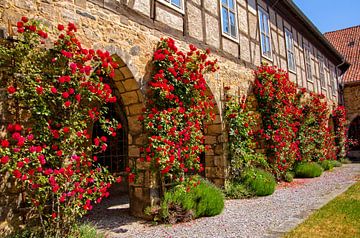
326,164
183,204
261,182
308,170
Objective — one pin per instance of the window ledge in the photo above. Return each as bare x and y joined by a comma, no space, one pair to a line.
292,71
234,39
178,9
267,57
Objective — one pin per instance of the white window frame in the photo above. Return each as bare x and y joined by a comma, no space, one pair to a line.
177,8
290,50
333,79
307,59
263,34
322,71
234,11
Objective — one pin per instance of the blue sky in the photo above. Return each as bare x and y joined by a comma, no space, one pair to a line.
330,15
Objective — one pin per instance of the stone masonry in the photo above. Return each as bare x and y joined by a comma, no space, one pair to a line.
130,30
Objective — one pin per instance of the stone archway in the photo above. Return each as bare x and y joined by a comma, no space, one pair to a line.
141,193
215,158
354,134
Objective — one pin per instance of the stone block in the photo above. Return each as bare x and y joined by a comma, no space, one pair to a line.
134,151
126,72
212,31
130,84
130,97
194,15
230,47
214,129
168,18
142,6
209,140
209,161
243,19
135,126
80,3
211,5
245,48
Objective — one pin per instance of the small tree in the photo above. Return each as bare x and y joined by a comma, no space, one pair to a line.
55,95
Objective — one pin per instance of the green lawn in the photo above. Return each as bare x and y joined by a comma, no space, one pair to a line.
339,218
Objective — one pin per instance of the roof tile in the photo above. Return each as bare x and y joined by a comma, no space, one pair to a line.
347,42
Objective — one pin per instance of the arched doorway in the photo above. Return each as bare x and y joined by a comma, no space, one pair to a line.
114,158
354,136
214,158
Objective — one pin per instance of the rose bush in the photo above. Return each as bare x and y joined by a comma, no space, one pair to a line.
296,126
240,125
55,94
176,108
280,109
315,135
339,114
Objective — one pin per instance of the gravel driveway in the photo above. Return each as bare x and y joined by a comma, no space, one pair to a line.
269,216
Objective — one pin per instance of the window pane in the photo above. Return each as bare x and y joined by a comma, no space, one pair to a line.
176,3
268,46
231,4
266,24
224,2
263,44
225,20
232,24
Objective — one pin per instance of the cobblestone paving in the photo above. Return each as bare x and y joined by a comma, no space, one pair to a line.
270,216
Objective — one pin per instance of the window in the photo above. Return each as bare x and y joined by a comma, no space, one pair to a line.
176,4
228,18
333,80
321,71
307,58
290,50
264,26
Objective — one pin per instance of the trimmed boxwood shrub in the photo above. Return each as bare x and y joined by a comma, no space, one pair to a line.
336,163
182,204
260,181
289,177
326,164
209,200
236,190
308,170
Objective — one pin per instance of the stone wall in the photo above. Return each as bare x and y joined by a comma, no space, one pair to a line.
130,31
352,105
352,101
132,45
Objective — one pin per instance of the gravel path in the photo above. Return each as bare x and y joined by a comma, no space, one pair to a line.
270,216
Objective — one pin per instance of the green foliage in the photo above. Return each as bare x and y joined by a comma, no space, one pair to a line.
184,202
240,124
56,93
261,182
86,230
236,190
308,170
209,200
326,164
336,163
289,177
